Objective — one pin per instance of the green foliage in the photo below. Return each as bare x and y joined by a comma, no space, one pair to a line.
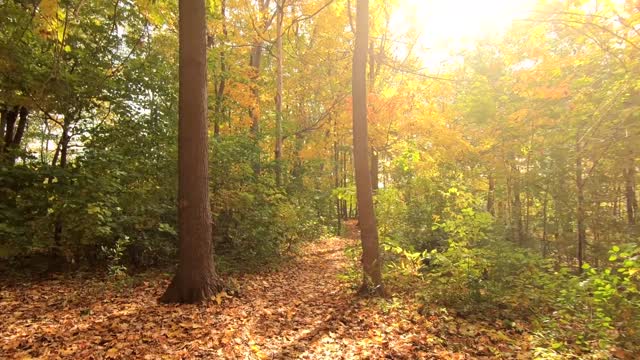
254,222
599,309
573,314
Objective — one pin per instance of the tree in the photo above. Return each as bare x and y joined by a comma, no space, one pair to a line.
372,276
196,278
279,54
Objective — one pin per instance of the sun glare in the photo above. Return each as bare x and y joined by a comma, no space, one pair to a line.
447,26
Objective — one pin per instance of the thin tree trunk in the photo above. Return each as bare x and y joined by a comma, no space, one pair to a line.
219,110
371,262
580,214
517,207
3,125
17,137
61,152
10,122
22,126
374,170
196,279
336,174
491,195
279,54
345,211
616,202
255,61
630,192
545,203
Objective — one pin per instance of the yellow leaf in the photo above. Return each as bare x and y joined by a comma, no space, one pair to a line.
220,296
258,352
112,353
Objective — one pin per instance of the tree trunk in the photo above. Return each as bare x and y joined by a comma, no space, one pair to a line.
279,54
10,122
580,214
22,126
62,152
14,144
518,231
491,195
3,125
219,109
371,262
336,174
345,209
374,171
254,61
630,192
545,244
196,279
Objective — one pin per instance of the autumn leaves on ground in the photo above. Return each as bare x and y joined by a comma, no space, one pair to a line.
305,309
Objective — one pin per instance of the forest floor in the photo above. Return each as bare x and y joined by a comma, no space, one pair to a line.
303,310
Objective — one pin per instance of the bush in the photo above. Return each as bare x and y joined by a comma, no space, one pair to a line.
591,313
255,223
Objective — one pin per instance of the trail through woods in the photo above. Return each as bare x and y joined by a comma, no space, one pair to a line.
301,311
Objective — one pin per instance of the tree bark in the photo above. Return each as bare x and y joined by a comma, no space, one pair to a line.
196,279
371,262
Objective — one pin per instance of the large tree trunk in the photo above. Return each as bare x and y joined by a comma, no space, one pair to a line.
195,279
279,54
371,262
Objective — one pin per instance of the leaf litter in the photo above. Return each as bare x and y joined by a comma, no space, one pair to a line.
303,310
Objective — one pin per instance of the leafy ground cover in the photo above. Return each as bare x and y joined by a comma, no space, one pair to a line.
302,310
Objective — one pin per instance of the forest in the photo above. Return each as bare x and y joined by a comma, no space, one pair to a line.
319,179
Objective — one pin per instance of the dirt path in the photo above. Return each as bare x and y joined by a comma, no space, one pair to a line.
302,311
